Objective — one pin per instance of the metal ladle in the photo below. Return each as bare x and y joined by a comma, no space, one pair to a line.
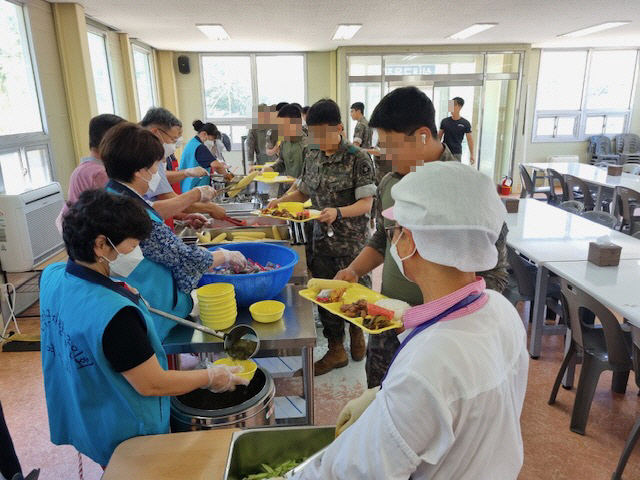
240,340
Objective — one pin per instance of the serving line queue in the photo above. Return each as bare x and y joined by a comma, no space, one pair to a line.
116,235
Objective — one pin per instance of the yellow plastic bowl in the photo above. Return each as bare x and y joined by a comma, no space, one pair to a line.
249,366
219,325
292,207
270,175
215,305
218,317
207,313
214,291
267,311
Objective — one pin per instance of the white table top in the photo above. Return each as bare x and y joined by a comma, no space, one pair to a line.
616,287
545,233
591,174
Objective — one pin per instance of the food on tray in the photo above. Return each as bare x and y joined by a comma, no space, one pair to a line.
276,233
251,267
374,317
284,213
318,284
248,233
355,310
219,238
204,237
375,322
330,295
278,471
398,307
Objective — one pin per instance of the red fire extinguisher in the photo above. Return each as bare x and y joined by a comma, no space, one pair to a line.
505,186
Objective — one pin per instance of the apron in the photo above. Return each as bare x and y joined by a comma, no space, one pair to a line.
458,306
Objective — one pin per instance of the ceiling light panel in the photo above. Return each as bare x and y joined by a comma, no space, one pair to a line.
594,29
346,32
472,30
214,32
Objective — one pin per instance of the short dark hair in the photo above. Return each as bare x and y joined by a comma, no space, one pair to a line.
161,117
404,110
98,212
305,109
280,105
100,125
127,148
459,101
296,104
358,106
208,127
324,112
290,111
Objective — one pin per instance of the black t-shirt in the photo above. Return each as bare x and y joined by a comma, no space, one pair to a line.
125,342
454,132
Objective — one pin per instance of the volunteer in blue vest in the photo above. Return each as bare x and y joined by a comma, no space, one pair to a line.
450,405
197,153
170,269
105,370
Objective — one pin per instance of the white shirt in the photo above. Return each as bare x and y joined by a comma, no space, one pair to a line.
449,408
163,187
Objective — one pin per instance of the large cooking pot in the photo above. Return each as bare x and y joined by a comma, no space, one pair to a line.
250,406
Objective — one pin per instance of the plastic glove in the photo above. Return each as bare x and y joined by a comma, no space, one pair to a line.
233,258
222,378
195,172
195,220
206,193
352,410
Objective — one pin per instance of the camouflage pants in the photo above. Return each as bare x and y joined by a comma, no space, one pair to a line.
323,266
382,347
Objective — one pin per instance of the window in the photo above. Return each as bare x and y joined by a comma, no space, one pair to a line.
101,73
233,84
145,80
583,93
24,145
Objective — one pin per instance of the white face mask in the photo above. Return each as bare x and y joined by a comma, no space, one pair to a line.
179,142
209,144
396,256
125,263
153,182
169,149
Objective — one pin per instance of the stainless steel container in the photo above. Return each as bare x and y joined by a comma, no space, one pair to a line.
250,406
273,446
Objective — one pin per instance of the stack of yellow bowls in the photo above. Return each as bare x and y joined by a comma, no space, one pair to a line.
218,309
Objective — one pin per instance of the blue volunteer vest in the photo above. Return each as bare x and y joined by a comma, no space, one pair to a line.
188,160
155,281
90,405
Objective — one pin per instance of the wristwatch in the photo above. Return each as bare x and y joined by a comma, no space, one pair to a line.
339,215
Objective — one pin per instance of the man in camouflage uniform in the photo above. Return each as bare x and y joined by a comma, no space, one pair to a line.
338,178
257,138
405,120
362,136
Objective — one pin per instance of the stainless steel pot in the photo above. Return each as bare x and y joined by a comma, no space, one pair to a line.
250,406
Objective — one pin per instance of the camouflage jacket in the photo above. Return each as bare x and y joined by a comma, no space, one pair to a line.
364,133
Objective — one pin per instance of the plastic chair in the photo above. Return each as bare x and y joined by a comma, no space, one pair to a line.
530,190
628,147
572,206
605,347
603,218
557,180
575,183
636,235
525,274
600,150
628,202
632,168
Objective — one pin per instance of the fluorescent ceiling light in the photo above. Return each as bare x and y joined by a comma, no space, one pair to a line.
345,32
410,57
214,32
596,28
472,30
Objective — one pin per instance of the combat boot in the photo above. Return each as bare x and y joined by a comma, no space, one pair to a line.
336,357
358,345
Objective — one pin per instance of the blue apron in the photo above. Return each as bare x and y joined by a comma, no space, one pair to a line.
461,304
188,160
155,281
90,405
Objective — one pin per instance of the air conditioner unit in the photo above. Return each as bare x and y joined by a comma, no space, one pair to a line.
28,233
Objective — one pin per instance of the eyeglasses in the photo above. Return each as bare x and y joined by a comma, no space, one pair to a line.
173,139
390,231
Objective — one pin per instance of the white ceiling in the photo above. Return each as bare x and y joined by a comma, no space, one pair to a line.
306,25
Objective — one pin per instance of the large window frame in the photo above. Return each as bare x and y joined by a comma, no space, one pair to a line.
24,142
94,29
230,122
144,49
582,115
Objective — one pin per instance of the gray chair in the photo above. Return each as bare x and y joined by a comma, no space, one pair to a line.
632,168
529,189
600,150
556,180
628,147
575,183
628,202
636,235
603,347
603,218
572,206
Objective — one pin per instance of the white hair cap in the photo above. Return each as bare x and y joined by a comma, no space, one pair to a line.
453,212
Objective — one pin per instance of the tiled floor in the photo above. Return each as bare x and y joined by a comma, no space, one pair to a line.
551,450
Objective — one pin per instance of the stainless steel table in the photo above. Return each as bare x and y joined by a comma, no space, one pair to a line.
294,335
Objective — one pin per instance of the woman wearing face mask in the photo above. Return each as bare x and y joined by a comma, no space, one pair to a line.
170,269
105,370
197,152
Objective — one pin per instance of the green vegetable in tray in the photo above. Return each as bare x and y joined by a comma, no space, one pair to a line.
278,471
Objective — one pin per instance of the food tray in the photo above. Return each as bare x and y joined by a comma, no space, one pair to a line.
279,179
352,295
313,215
